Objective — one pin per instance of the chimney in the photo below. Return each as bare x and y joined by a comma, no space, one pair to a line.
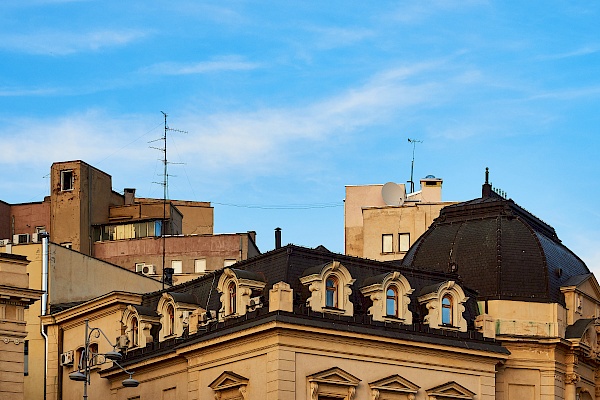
129,196
277,238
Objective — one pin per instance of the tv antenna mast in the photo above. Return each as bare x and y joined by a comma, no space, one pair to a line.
412,166
165,185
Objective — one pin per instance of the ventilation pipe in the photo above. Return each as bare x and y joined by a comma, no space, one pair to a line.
277,238
45,268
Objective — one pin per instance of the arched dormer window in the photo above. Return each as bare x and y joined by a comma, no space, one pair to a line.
238,288
134,332
330,288
390,294
447,309
174,309
331,292
170,320
391,301
138,322
232,289
445,306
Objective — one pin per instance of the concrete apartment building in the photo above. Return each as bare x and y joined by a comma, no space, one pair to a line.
486,304
84,213
381,222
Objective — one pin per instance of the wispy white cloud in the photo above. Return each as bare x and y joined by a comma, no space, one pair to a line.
63,43
583,51
229,63
222,141
20,92
418,11
333,37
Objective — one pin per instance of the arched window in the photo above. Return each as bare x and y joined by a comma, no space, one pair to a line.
331,292
391,301
170,320
232,298
447,310
134,332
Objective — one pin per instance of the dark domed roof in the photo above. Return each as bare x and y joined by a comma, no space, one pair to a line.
497,248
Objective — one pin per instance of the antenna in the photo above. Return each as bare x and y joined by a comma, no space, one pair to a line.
165,184
412,166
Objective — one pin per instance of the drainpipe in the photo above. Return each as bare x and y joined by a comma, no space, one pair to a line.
45,252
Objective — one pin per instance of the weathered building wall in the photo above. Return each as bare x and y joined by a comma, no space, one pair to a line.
26,217
214,248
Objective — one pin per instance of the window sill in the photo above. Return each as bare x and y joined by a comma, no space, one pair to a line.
449,327
333,310
392,318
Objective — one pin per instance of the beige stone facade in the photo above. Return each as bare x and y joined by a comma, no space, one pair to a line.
379,231
15,298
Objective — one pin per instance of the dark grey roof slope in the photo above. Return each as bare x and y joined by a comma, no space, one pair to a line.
497,248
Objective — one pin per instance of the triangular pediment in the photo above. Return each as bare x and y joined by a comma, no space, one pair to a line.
394,383
335,376
450,390
228,380
586,284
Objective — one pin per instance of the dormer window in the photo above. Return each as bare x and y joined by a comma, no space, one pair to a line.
238,289
445,305
329,285
447,310
232,298
134,332
391,302
170,320
390,296
331,288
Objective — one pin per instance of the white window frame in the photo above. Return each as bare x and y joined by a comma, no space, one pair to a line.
177,266
200,265
403,242
387,243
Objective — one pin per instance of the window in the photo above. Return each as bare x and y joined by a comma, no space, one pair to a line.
229,262
170,320
331,292
26,357
66,180
447,310
200,265
134,332
79,357
387,243
177,266
391,302
232,289
403,241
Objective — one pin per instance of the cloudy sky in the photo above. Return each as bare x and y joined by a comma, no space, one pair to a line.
286,102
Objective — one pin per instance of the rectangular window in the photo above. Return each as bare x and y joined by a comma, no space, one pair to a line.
26,357
66,180
387,243
229,262
200,265
177,266
157,228
403,241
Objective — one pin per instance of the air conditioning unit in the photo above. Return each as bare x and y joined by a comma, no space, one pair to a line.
146,269
21,238
35,238
66,359
4,242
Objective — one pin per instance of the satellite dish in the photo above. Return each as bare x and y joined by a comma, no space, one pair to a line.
393,194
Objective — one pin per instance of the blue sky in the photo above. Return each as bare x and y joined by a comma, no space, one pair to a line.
285,103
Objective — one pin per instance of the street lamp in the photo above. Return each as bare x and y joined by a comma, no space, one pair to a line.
90,358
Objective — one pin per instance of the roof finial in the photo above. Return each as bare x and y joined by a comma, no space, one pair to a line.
487,175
